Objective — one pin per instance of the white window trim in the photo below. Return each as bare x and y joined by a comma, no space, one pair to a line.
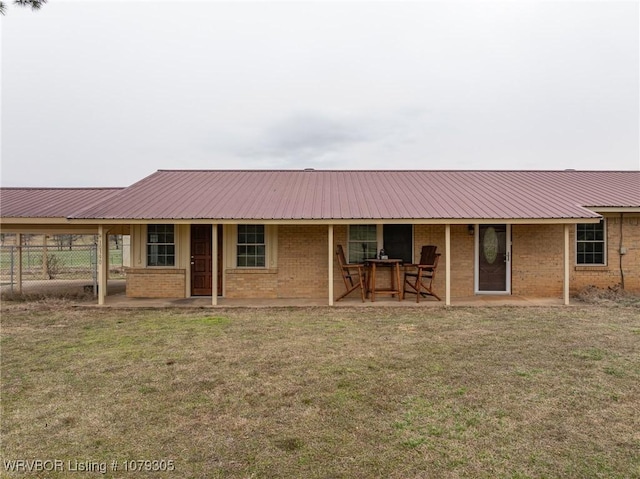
266,240
604,251
378,239
146,247
271,247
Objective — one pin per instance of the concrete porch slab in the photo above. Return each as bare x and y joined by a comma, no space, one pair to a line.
121,301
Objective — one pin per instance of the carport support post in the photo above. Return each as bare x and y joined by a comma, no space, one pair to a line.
103,266
330,238
447,260
214,265
566,265
18,263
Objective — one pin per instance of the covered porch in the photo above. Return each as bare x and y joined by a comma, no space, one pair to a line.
298,251
455,245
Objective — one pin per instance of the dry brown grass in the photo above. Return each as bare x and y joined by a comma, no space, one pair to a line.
612,294
326,393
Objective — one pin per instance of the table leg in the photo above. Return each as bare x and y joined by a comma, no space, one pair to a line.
392,277
368,282
400,295
373,282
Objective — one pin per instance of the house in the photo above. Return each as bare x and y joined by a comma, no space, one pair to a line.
273,234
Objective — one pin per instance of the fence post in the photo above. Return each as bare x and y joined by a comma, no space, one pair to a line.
45,258
19,268
11,273
94,268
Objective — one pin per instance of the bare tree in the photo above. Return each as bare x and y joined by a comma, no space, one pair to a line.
62,241
34,4
117,239
26,239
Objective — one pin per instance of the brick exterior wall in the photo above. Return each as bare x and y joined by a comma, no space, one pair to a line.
462,262
251,283
302,262
301,270
155,283
537,260
610,275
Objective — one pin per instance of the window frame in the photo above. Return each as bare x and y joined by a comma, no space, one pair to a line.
263,244
165,243
603,222
379,240
351,228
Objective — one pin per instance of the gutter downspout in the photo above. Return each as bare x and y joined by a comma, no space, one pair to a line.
621,251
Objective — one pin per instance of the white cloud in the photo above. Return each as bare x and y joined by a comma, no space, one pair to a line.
105,93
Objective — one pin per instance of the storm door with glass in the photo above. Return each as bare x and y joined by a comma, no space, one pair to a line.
493,259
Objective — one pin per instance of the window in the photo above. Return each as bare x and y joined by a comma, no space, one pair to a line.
590,243
161,248
363,243
398,241
251,246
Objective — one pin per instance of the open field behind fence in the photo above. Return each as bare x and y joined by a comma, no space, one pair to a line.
43,267
321,392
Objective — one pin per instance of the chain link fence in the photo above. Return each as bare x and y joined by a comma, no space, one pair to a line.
44,270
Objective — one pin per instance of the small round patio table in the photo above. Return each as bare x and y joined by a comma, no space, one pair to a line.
395,289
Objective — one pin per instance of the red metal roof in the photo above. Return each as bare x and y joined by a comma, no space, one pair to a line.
371,195
49,202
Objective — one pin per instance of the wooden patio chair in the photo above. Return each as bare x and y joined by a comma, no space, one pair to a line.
353,275
418,278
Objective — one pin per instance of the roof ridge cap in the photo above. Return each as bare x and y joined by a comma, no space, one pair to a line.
292,170
94,203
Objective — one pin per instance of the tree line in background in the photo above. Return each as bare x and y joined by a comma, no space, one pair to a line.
65,241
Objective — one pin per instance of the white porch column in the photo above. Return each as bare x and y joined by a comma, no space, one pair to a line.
18,264
567,262
126,251
330,237
103,263
214,265
447,259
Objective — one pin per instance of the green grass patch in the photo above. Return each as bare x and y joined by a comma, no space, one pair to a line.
214,321
321,392
591,354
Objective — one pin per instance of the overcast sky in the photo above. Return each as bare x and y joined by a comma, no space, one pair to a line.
105,93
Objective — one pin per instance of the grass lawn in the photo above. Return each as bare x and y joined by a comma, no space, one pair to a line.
325,393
